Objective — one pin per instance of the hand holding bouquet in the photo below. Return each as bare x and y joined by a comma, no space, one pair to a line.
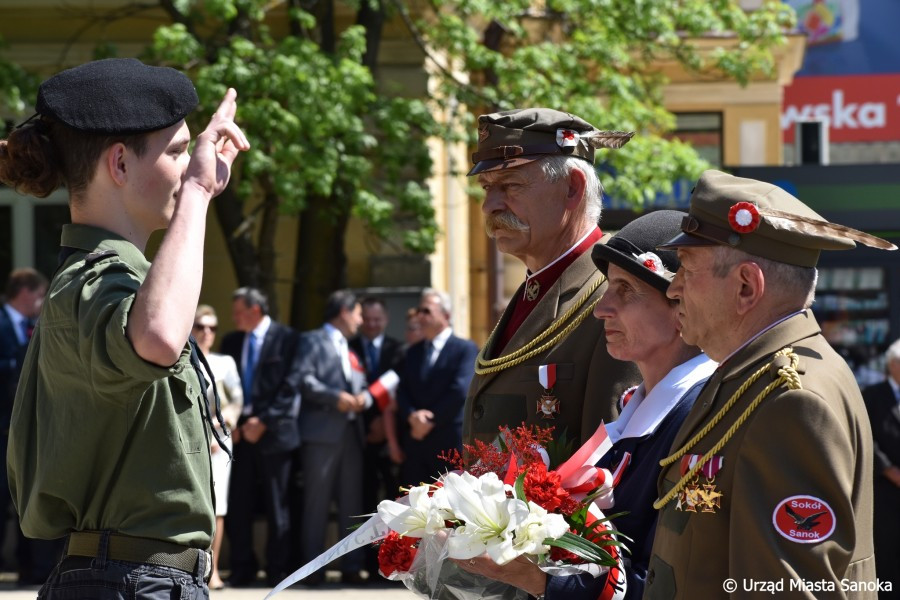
503,502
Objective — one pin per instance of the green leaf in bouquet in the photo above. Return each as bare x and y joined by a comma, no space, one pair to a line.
584,549
560,449
520,486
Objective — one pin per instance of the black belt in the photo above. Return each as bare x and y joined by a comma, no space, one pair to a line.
137,550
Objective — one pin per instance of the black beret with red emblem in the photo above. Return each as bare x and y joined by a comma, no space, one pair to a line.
763,220
633,248
117,96
511,138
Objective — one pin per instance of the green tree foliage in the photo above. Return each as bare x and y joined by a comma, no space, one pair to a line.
17,87
600,59
326,144
329,144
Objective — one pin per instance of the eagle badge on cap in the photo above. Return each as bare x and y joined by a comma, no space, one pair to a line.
483,132
743,217
566,138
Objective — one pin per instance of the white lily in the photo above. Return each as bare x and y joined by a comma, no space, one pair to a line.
537,527
489,517
422,516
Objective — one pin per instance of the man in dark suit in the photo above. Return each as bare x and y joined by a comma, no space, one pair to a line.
434,379
266,436
883,405
331,426
379,353
25,291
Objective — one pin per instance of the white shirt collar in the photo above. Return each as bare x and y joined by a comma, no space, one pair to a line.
334,334
643,414
440,340
377,341
17,319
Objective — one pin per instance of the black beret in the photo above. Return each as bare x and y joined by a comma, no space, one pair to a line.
634,248
117,96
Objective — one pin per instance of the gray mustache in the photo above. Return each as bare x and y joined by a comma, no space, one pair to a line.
505,220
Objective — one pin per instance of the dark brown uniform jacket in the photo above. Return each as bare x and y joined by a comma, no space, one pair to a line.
589,382
810,442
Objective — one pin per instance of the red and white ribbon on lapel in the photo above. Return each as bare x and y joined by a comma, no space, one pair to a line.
547,376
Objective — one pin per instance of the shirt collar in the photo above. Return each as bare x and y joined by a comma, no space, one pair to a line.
334,334
894,386
749,341
91,239
440,340
643,414
548,275
259,332
376,341
16,318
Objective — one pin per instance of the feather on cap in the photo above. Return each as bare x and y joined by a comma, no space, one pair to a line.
783,228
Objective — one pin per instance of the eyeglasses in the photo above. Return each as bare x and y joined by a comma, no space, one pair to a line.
199,326
423,310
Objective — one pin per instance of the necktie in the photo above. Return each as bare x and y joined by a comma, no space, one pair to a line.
249,369
371,358
426,358
27,330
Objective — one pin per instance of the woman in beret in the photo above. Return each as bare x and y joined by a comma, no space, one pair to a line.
641,325
110,434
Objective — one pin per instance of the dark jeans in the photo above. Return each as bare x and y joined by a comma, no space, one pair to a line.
78,577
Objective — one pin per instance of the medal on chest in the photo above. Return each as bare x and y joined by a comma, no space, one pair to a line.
697,496
532,289
548,404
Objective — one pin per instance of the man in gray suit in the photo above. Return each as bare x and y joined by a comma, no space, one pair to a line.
332,384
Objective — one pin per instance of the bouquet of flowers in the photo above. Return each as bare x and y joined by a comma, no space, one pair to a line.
507,501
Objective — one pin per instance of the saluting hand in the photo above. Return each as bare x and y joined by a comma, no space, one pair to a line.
216,149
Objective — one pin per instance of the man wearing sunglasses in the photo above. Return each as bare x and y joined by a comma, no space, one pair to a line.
432,390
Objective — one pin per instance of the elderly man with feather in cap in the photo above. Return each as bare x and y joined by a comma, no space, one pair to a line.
546,362
769,480
109,440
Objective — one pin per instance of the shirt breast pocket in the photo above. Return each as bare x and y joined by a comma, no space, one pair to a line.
189,413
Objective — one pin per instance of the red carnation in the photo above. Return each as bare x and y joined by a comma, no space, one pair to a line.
396,553
544,488
560,554
650,265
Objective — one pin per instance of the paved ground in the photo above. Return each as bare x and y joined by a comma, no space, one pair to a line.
383,590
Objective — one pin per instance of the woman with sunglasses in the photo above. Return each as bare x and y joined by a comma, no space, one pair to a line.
228,381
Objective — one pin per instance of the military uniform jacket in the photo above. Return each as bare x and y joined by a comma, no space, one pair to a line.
806,452
589,382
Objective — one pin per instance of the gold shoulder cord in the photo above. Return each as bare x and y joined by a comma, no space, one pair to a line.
787,375
485,365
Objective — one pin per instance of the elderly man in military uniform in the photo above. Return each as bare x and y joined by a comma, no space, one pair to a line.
768,486
546,361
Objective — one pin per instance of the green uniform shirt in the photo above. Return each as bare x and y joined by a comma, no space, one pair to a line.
100,438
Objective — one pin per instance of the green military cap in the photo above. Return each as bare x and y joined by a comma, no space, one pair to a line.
762,219
514,137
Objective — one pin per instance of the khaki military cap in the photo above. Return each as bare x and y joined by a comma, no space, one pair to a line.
763,220
514,137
